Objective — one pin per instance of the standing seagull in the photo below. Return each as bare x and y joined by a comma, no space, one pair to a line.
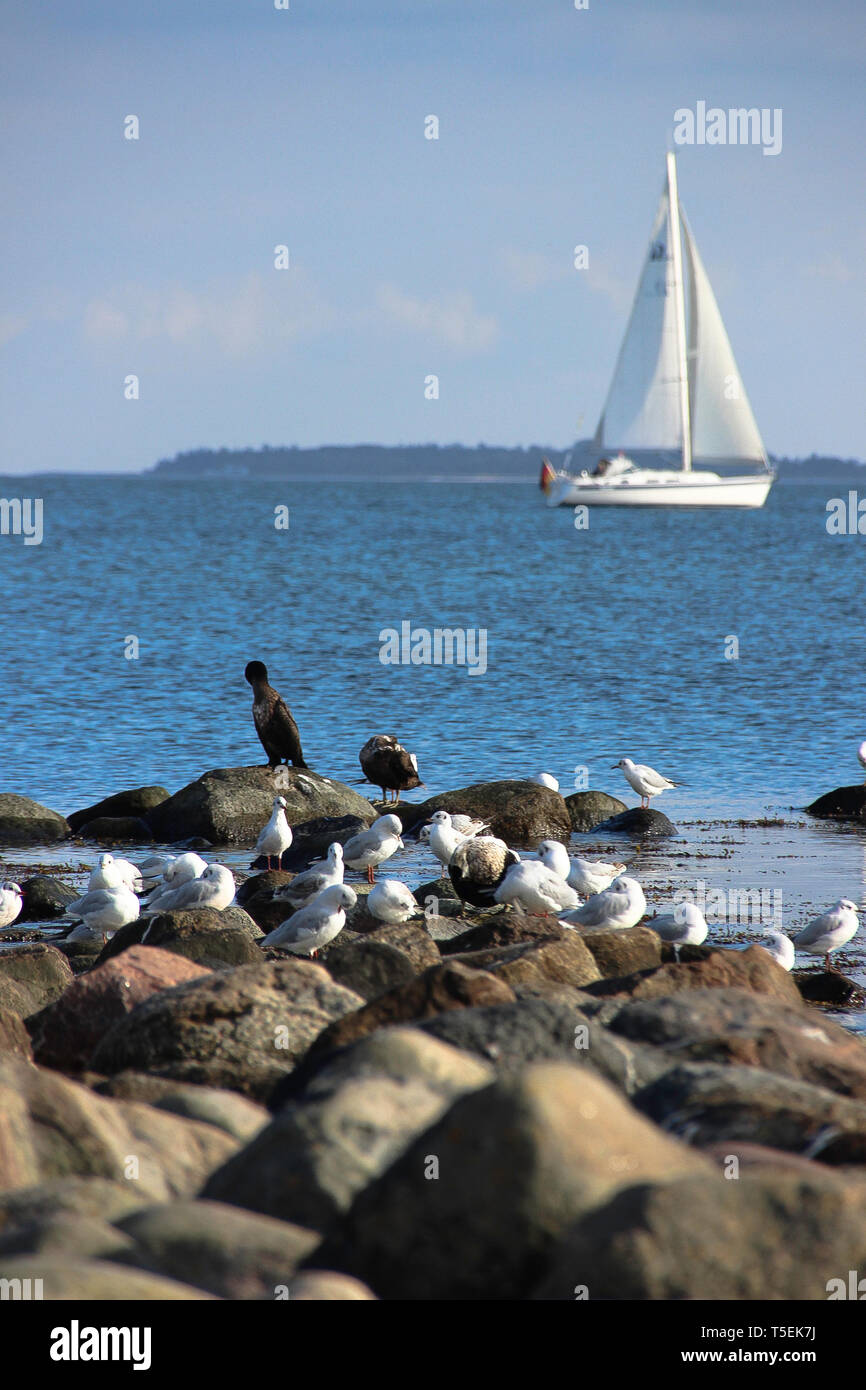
272,717
828,932
103,911
307,931
620,906
11,903
371,847
387,764
277,834
685,926
645,780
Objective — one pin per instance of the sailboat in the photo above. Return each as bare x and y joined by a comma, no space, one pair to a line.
676,392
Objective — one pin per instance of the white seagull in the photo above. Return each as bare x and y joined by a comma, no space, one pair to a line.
828,932
391,901
184,869
323,874
445,832
153,869
780,947
103,911
531,887
861,755
315,925
685,926
215,888
644,780
544,779
619,906
585,876
373,846
11,902
109,872
277,834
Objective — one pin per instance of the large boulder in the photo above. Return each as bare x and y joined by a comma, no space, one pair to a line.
845,803
520,813
52,1127
25,822
66,1031
237,1115
201,933
230,805
241,1029
474,1207
561,959
753,969
385,958
590,809
75,1279
640,822
624,952
136,804
14,1037
31,976
117,830
352,1120
44,898
777,1235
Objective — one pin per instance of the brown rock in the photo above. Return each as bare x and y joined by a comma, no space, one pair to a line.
520,813
625,952
14,1037
32,976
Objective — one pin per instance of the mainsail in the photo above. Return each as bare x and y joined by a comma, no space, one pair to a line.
646,407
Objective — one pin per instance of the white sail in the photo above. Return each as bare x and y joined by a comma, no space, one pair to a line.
643,408
723,426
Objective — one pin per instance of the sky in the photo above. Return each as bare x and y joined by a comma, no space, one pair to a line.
409,257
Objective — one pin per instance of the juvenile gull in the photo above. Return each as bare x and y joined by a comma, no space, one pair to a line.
11,902
545,779
373,846
619,906
478,866
109,872
685,926
828,932
215,888
391,901
315,925
780,947
531,887
585,876
272,717
277,834
317,877
644,780
387,764
103,911
444,834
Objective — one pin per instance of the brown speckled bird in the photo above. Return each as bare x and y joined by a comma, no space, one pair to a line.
273,719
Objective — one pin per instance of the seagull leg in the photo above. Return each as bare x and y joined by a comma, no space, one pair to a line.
370,874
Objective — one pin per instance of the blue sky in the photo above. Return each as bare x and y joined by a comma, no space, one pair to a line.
409,256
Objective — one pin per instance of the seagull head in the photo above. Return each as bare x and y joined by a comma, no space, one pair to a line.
281,802
624,762
440,818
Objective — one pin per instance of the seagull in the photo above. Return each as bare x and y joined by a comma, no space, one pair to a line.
392,901
103,912
387,764
112,873
644,780
861,755
323,874
373,846
184,869
531,887
11,902
685,926
277,834
444,834
544,779
828,932
215,888
621,905
307,931
478,866
277,730
585,876
153,869
781,949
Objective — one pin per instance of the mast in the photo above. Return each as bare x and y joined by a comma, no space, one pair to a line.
680,311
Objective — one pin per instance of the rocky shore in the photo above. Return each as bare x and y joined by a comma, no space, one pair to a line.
473,1104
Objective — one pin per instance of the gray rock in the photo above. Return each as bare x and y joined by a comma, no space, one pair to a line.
117,830
225,1110
32,976
71,1279
388,956
520,813
640,822
44,898
587,810
201,931
845,803
25,822
82,1236
136,803
86,1197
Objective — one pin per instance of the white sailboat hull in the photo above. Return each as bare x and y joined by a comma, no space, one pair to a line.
659,488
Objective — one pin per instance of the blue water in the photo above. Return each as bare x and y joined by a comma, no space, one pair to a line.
600,643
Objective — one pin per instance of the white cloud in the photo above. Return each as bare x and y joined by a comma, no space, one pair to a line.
451,319
832,268
529,270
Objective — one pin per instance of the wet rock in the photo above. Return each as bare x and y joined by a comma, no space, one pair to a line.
262,885
446,986
117,830
706,1102
25,822
520,813
590,809
311,839
827,987
326,1286
71,1279
230,805
231,1253
52,1127
14,1037
32,976
440,889
640,823
67,1030
562,959
136,804
387,957
753,969
190,931
625,952
236,1115
780,1236
845,803
513,1166
78,1236
356,1114
508,928
85,1197
240,1029
45,898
